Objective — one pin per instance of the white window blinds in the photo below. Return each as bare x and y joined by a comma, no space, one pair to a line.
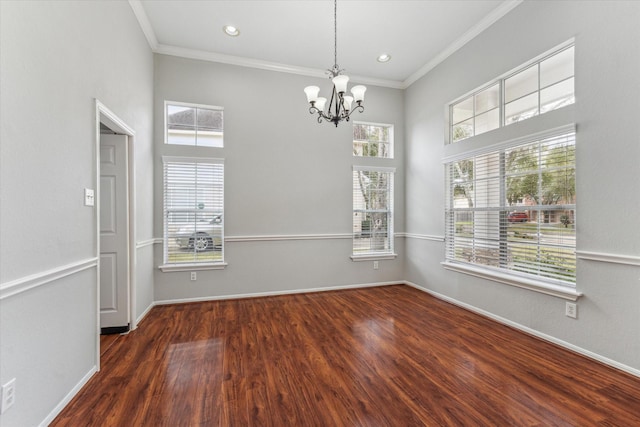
372,210
514,209
193,210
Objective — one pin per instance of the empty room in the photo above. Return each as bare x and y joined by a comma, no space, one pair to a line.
319,213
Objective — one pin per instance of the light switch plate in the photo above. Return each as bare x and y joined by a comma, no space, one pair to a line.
89,197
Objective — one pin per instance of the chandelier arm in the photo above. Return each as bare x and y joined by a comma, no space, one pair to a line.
360,108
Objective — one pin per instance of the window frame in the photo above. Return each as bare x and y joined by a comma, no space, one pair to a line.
168,103
551,286
191,265
391,144
387,253
500,81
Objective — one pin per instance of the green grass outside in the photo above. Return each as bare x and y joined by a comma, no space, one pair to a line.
210,256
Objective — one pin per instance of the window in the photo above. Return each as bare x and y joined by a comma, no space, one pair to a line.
193,211
513,209
372,140
191,124
476,114
544,85
372,210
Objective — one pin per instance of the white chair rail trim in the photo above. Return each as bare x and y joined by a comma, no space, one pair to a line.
23,284
608,257
421,236
148,242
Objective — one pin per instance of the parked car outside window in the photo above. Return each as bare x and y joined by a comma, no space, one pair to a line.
517,216
201,236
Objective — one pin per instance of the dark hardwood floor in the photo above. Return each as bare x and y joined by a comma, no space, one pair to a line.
388,356
106,341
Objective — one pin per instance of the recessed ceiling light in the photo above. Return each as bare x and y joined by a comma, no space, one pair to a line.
385,57
230,30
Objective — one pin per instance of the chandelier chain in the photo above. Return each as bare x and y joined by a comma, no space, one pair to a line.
341,105
335,33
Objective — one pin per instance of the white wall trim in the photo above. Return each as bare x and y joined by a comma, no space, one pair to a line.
266,65
482,25
145,25
560,291
538,334
147,29
167,268
148,242
65,401
26,283
508,143
276,293
144,313
373,256
277,237
109,118
421,236
608,257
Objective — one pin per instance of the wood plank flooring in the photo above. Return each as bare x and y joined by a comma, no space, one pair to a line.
106,341
388,356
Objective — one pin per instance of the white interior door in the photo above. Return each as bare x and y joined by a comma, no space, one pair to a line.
114,234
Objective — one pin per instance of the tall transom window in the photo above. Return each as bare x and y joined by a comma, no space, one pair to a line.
542,85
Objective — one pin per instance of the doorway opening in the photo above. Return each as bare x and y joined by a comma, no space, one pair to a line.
115,225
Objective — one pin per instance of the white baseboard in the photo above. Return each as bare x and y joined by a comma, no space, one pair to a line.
64,402
144,313
275,293
538,334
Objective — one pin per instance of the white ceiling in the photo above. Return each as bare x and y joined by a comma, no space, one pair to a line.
298,35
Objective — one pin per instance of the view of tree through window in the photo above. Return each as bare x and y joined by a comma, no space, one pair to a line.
372,209
514,209
372,140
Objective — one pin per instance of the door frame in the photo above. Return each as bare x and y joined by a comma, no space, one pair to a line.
111,120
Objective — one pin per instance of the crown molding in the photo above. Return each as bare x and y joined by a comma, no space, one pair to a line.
504,8
147,29
145,25
265,65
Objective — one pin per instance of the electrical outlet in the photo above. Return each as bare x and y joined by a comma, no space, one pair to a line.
194,276
375,265
571,310
8,395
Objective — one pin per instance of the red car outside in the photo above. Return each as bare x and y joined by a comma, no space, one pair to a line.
517,216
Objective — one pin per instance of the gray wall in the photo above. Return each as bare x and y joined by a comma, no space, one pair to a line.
608,150
57,57
285,175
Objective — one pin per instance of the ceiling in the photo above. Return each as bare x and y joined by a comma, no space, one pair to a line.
297,36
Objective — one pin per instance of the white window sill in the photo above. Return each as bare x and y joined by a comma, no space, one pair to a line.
559,291
373,257
166,268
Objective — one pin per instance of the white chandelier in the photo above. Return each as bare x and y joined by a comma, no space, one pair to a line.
341,106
